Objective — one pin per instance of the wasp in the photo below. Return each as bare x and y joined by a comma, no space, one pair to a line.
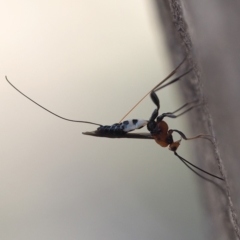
158,129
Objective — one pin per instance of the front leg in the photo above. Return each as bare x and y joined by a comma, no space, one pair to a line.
205,136
174,146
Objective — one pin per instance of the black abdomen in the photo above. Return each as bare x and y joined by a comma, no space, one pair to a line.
113,129
123,127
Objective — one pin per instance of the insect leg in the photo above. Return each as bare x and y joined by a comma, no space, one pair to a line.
156,101
189,109
159,84
205,136
192,104
158,87
172,115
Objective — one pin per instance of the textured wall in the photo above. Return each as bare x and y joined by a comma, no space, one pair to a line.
209,32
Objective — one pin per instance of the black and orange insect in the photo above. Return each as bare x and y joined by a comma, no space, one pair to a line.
157,127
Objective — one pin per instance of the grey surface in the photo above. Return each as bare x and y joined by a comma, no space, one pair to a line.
212,38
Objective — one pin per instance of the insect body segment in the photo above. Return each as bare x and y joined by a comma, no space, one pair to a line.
159,128
123,128
161,134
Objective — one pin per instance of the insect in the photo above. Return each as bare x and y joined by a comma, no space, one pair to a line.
157,127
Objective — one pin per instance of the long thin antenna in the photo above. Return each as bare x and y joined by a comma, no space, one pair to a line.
49,110
206,179
184,160
164,80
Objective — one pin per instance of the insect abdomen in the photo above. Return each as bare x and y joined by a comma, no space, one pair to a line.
113,129
123,127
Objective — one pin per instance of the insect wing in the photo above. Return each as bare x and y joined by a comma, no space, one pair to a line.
127,135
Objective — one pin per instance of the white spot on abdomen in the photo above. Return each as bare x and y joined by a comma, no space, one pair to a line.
133,124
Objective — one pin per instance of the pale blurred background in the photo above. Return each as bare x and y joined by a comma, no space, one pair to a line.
92,61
